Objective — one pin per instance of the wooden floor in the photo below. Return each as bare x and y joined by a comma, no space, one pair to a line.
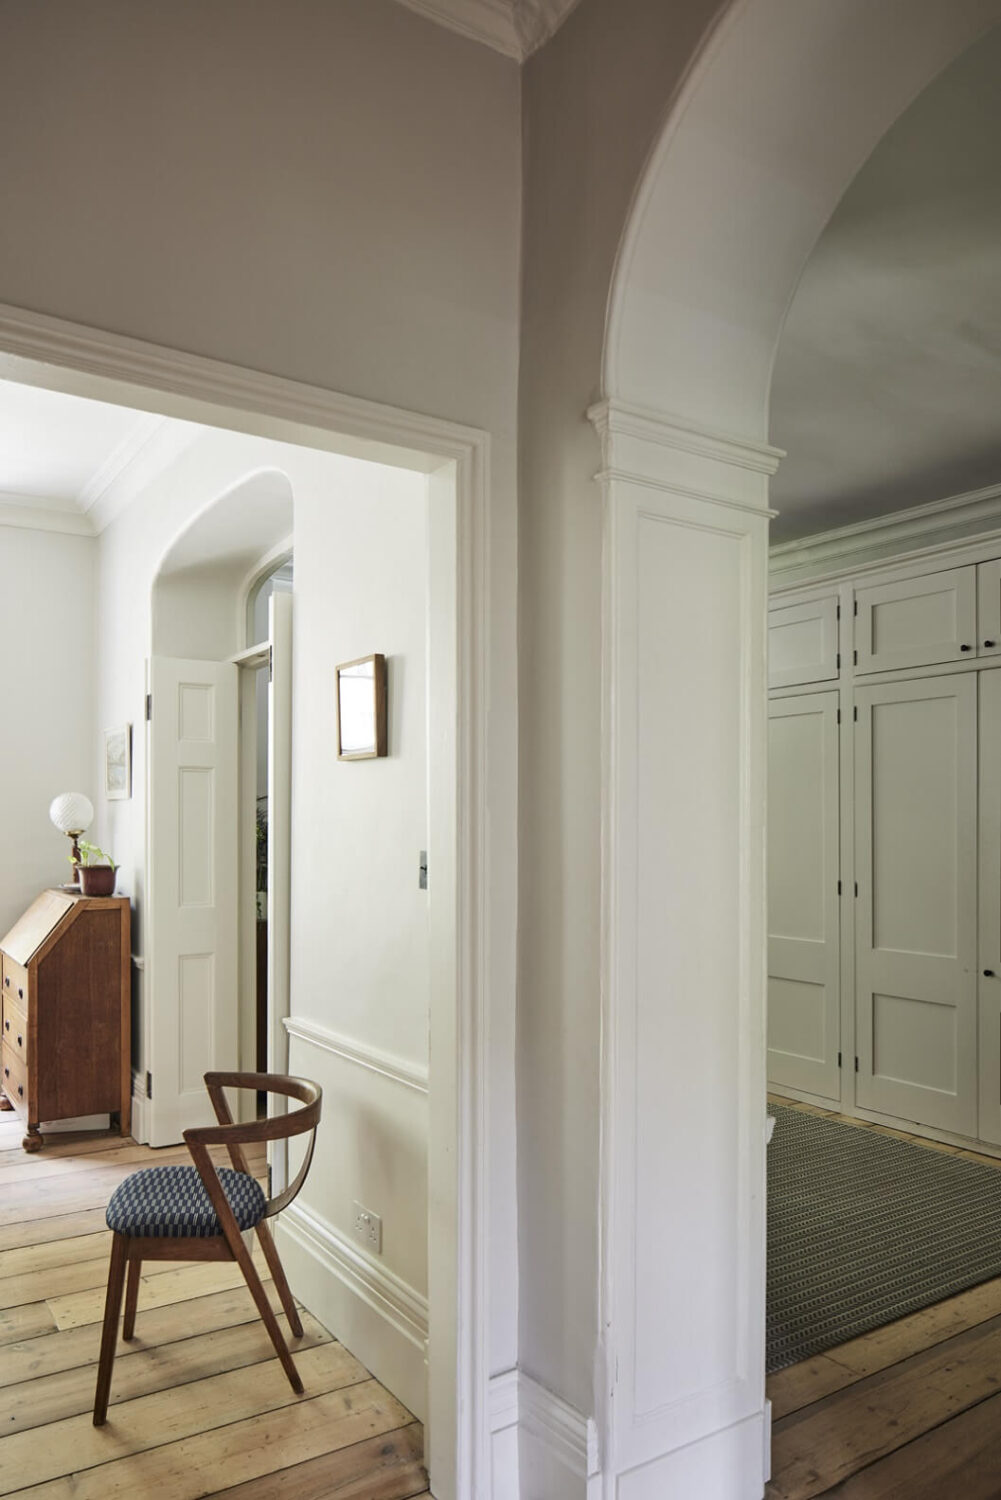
909,1412
200,1406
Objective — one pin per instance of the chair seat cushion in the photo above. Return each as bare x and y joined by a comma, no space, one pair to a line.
173,1201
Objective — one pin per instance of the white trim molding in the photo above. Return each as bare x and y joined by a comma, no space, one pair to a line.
411,1075
519,1403
515,27
846,548
40,350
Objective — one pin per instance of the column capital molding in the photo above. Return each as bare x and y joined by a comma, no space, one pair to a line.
614,419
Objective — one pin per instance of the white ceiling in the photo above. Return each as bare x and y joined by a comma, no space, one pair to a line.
515,27
887,387
70,464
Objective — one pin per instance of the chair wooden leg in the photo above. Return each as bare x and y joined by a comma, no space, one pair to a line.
132,1297
278,1276
109,1337
243,1259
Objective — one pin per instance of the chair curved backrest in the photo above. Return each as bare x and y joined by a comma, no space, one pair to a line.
279,1127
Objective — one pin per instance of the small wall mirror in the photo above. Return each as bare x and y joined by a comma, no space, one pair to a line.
361,708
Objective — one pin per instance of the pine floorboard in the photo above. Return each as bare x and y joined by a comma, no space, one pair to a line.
911,1411
199,1404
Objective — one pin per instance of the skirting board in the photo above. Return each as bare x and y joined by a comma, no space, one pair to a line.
542,1446
375,1314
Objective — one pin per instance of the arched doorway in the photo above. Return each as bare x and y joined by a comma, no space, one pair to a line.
779,112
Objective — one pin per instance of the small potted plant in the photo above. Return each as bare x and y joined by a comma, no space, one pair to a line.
96,870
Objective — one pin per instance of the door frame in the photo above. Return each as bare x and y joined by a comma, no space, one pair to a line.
55,354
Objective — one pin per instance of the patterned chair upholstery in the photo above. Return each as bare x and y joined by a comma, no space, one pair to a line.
171,1201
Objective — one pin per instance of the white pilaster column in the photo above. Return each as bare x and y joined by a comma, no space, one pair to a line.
680,1379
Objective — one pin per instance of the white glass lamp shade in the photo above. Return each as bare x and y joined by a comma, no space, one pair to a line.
72,812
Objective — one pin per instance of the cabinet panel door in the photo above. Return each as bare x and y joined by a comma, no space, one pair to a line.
989,608
989,941
804,1024
916,924
803,642
916,622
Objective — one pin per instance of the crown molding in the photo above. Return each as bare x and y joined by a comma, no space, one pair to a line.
42,513
611,418
956,518
153,445
515,27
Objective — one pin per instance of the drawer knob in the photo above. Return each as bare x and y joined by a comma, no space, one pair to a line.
20,1091
990,643
988,973
6,1026
20,993
20,1042
966,648
6,1072
7,981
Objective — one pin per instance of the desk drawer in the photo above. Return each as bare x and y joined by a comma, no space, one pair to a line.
15,1079
15,984
15,1031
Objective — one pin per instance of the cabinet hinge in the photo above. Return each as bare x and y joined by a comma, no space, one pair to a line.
839,716
838,616
856,1065
837,662
856,890
839,887
856,713
839,1059
149,1085
149,707
856,606
855,658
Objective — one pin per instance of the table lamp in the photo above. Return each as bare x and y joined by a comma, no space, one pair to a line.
72,813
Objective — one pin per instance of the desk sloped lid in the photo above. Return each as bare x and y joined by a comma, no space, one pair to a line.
30,931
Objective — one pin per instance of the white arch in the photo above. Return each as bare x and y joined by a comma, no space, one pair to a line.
784,103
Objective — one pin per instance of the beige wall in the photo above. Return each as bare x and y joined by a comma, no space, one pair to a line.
594,99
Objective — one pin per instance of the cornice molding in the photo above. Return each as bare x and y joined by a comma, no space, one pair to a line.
615,418
32,513
959,516
515,27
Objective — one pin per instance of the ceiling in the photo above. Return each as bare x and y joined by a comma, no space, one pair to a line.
515,27
71,464
887,385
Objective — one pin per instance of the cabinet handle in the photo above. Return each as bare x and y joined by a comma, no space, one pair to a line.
20,993
20,1091
988,973
966,648
990,643
6,1072
20,1042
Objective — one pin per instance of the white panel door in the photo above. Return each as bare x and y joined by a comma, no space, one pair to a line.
803,642
193,868
916,622
916,927
989,608
279,857
989,941
804,1006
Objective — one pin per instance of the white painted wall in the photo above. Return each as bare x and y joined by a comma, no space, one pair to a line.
47,662
329,192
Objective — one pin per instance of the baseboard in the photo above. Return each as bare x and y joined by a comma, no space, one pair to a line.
543,1448
374,1313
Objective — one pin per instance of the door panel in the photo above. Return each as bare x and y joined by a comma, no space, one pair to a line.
989,608
989,941
803,642
193,888
804,1024
916,622
916,861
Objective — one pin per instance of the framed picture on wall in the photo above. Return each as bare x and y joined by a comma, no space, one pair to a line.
361,709
118,763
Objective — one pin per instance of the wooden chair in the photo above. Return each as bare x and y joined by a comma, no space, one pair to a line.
201,1213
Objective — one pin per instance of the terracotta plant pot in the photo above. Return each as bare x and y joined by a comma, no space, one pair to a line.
98,880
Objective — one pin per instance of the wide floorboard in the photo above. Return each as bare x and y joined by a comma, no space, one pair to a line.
911,1411
199,1404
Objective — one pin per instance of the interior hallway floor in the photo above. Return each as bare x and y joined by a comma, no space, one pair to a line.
911,1411
200,1406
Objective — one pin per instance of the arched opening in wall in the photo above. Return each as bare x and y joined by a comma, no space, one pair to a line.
757,153
219,772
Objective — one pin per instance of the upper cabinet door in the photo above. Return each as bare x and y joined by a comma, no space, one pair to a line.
989,607
917,622
803,642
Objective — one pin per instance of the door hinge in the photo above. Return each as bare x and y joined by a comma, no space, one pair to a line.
149,707
271,663
422,871
149,1085
270,1186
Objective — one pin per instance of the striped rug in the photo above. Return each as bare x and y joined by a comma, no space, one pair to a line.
864,1228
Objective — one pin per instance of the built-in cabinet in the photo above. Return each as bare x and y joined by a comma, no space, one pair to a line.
884,855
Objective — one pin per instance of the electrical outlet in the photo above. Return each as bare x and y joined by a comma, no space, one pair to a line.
368,1228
